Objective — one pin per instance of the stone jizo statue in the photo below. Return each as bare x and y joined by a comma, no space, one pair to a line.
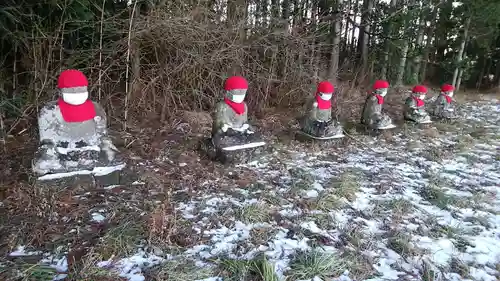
231,130
414,109
320,120
73,134
373,116
444,106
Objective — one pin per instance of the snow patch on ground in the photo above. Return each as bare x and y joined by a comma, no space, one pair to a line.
409,210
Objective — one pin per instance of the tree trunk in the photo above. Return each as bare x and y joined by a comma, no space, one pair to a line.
415,70
353,34
404,49
387,44
334,55
275,13
461,51
459,80
346,32
314,48
430,34
285,12
237,19
364,35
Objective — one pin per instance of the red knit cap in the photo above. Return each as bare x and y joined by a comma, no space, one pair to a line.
235,83
447,88
420,89
72,78
325,87
380,84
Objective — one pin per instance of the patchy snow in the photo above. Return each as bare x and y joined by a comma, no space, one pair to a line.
97,217
97,171
21,251
133,267
417,202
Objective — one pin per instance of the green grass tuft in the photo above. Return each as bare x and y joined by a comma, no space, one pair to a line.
307,265
181,270
248,270
346,186
253,213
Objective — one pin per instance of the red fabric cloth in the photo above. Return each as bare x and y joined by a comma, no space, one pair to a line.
420,89
380,84
419,102
447,88
76,113
238,108
323,104
448,98
380,99
325,87
235,83
72,78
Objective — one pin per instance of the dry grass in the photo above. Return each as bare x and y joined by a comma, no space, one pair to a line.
182,270
397,208
346,186
253,213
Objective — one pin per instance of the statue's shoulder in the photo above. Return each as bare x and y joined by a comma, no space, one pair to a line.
99,109
311,103
221,106
48,108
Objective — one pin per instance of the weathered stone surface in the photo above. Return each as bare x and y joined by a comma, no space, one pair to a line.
110,179
72,146
444,109
230,129
373,115
415,112
67,182
320,119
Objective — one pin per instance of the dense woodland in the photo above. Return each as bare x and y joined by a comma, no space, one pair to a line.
157,56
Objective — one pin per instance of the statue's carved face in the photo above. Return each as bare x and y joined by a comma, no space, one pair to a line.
237,96
382,92
75,95
75,98
420,96
325,96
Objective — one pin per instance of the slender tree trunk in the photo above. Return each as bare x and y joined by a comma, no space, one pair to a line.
275,13
430,34
387,44
417,60
404,49
334,55
314,44
364,35
237,19
285,12
461,51
353,34
459,80
346,30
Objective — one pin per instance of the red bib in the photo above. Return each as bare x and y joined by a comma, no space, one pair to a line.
76,113
380,99
448,98
238,108
323,104
419,102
